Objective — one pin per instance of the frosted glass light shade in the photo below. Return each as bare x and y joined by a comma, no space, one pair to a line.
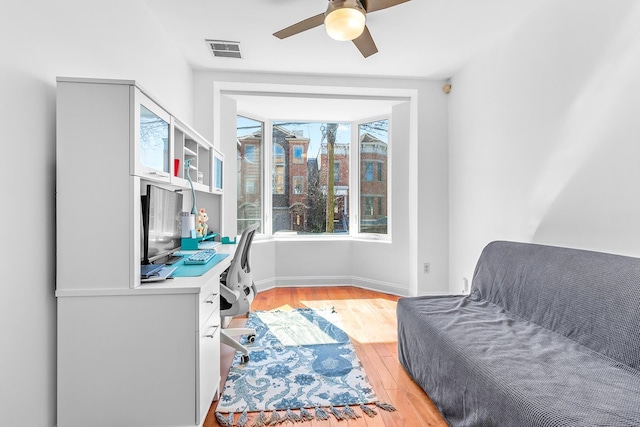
344,24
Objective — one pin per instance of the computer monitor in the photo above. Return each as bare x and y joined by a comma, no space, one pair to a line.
161,223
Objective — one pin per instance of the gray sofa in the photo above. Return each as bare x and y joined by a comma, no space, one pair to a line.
548,336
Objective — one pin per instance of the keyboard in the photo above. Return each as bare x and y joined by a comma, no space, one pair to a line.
200,257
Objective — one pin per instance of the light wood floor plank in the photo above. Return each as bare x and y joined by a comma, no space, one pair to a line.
369,318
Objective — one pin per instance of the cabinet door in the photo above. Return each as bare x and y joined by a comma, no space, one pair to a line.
151,139
209,365
127,360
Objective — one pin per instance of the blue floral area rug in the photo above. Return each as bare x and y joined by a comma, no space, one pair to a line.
300,359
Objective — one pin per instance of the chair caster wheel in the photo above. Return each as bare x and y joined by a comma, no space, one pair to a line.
251,338
244,359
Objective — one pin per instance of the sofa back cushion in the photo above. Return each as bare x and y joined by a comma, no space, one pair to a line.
590,297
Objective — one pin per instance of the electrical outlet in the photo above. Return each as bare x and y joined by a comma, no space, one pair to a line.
426,268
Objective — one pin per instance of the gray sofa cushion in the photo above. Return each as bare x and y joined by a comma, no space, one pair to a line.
483,366
590,297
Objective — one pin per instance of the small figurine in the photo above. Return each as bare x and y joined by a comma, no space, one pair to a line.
201,223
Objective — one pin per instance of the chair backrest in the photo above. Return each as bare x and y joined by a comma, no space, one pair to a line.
239,277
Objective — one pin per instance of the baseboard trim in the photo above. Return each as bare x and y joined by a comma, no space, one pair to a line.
317,281
379,286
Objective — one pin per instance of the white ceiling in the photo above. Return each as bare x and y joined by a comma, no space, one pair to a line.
417,39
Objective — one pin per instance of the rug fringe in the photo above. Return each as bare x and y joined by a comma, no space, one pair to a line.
292,416
224,421
275,418
349,413
321,414
368,411
336,413
386,406
243,420
306,415
260,421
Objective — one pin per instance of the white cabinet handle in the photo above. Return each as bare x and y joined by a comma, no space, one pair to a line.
164,175
212,332
211,299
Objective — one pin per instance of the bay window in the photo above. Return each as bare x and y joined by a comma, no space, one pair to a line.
326,178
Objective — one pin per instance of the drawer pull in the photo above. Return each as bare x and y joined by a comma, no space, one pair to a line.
211,299
212,332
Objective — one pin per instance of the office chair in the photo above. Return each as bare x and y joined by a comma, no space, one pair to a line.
237,291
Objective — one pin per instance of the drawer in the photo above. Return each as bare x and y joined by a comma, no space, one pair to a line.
209,301
208,366
212,286
209,306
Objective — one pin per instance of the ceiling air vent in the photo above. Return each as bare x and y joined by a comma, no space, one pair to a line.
224,49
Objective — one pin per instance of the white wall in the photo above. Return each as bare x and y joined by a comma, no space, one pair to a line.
420,227
41,40
545,135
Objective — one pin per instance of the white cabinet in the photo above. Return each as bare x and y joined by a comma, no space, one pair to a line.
129,354
151,140
144,357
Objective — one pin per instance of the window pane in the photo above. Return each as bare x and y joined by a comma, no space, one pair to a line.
249,134
373,139
298,184
368,171
298,154
307,198
250,153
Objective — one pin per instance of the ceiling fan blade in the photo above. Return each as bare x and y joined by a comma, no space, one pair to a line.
373,5
365,43
301,26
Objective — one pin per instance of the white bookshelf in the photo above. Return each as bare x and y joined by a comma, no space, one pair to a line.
128,353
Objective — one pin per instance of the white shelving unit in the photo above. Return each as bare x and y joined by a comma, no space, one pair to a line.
128,353
189,145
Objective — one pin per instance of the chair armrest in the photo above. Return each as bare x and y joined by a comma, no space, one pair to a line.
228,294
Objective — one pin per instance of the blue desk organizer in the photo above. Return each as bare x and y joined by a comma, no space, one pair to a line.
227,240
189,244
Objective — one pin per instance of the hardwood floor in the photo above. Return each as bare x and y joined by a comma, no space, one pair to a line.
370,320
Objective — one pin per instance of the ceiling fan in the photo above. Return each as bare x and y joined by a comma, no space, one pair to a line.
344,20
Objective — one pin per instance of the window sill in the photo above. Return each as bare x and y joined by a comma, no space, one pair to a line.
320,238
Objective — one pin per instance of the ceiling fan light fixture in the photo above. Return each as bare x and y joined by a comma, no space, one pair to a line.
345,23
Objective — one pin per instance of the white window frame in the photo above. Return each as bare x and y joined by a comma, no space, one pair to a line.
354,184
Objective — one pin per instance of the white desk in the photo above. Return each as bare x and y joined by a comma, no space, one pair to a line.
146,356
